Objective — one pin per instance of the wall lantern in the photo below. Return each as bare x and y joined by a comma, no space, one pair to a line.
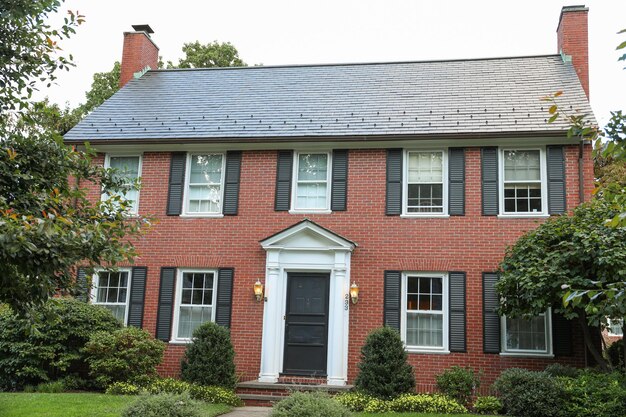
354,293
258,290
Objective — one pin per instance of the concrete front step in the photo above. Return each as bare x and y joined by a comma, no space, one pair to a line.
266,394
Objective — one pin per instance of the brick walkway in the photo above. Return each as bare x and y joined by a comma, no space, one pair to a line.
249,412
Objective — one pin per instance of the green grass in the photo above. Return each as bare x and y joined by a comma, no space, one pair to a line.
75,405
414,415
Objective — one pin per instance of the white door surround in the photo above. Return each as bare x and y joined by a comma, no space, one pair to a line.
306,247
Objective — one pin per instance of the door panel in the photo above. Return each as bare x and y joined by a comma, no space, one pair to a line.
306,324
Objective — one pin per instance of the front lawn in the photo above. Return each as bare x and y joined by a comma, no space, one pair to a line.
75,405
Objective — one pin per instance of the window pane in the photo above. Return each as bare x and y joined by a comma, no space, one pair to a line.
190,318
311,196
522,166
522,198
186,297
112,295
119,311
424,285
205,169
424,330
114,279
425,167
411,302
103,279
312,167
412,284
524,334
425,198
128,166
121,295
187,280
101,295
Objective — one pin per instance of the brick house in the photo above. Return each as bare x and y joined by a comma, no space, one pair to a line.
407,179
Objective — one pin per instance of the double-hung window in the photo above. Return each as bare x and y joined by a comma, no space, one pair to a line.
425,188
128,170
523,180
527,336
204,179
615,327
196,292
312,182
111,289
424,305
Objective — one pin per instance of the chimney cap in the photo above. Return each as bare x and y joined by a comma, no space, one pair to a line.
143,28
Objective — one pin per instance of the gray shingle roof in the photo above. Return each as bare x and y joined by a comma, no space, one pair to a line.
482,96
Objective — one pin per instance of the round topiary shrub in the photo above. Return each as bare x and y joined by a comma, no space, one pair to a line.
128,354
209,359
526,393
458,383
309,404
383,370
164,405
49,346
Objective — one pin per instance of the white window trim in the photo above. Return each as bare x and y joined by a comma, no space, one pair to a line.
107,164
608,329
405,183
294,183
444,306
548,353
94,288
544,182
178,298
186,212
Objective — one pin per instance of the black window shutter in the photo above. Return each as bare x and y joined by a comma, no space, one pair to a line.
231,186
457,312
137,296
456,181
556,179
491,319
284,171
392,299
82,287
339,189
177,184
166,304
561,335
224,296
489,165
394,182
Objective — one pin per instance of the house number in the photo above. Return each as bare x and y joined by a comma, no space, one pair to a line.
346,302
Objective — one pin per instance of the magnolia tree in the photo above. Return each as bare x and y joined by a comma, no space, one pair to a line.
575,265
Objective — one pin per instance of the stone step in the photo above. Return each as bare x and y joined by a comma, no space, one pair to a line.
266,394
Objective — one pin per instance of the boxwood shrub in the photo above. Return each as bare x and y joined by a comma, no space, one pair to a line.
527,393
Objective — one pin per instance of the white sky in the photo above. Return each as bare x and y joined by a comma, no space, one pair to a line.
274,32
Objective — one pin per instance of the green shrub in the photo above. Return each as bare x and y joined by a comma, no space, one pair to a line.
487,405
377,405
595,394
48,347
353,400
530,394
557,369
123,388
309,404
164,405
426,403
214,395
54,387
126,354
383,370
615,353
209,360
75,383
167,386
458,383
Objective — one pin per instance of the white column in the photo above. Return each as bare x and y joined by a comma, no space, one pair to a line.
338,321
271,325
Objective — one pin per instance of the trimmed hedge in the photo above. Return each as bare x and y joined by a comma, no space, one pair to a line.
416,403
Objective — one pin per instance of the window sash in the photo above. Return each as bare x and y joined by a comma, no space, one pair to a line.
188,315
429,178
424,321
132,196
523,201
531,336
118,308
204,197
312,193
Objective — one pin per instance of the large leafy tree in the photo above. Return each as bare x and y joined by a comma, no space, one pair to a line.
213,54
568,252
48,223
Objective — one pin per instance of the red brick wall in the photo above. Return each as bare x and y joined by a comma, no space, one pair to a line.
572,40
138,52
472,243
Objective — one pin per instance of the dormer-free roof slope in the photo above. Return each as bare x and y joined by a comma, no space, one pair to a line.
478,97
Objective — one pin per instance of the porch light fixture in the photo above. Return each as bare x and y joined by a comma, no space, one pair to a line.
258,290
354,293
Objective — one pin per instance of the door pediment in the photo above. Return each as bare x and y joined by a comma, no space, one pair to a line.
307,235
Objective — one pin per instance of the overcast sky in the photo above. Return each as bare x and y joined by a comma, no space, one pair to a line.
274,32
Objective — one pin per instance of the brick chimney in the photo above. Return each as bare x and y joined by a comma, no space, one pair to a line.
139,52
573,40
